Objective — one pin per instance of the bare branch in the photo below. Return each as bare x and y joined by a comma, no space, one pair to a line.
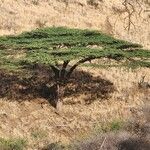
130,12
63,70
56,70
80,62
130,9
65,64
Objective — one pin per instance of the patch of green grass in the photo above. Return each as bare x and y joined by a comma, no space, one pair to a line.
12,144
97,134
39,134
116,125
101,128
113,126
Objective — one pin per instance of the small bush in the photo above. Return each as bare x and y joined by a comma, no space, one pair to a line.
39,134
12,144
116,125
113,126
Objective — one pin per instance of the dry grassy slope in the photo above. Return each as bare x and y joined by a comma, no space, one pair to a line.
24,119
110,16
29,118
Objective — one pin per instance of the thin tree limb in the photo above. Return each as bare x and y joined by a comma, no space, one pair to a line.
63,70
80,62
56,70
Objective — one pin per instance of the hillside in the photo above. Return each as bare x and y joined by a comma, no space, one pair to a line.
125,19
99,98
93,56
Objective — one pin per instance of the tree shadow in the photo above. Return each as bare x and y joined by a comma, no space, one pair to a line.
40,85
134,144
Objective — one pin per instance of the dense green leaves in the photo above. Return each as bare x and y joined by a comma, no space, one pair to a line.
51,45
49,37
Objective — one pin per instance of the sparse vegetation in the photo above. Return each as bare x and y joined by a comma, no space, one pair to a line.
39,134
12,144
115,125
136,138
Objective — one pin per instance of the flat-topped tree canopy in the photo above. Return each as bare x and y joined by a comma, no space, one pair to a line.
63,50
59,45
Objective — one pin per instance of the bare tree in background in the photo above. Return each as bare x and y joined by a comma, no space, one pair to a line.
132,7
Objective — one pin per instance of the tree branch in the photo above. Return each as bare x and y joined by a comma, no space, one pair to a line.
63,70
56,70
65,64
131,9
80,62
115,57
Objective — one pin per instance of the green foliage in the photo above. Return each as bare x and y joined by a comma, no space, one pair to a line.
39,134
51,45
116,125
113,126
48,37
126,64
136,64
12,144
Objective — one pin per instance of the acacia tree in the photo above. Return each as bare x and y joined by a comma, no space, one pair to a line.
63,50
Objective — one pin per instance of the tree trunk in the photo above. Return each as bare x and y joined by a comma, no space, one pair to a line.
60,82
59,96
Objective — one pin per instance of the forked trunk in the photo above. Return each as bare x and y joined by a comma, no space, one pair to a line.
61,77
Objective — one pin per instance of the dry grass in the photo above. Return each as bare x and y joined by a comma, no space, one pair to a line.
21,119
136,136
41,126
21,15
112,141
